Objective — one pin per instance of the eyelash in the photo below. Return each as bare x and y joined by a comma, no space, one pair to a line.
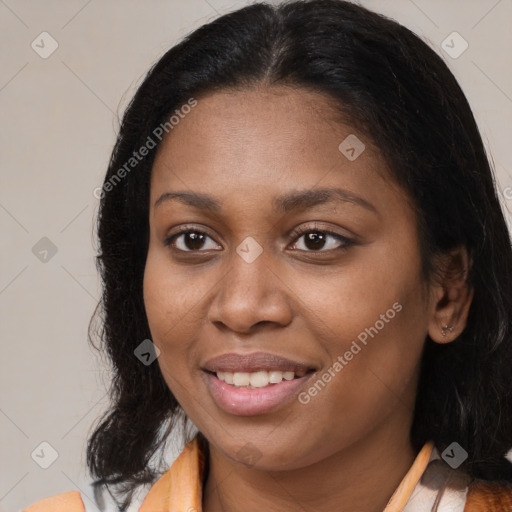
297,233
302,230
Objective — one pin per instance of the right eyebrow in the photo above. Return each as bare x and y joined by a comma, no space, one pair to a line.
194,199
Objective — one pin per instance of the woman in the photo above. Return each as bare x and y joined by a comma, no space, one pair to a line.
304,257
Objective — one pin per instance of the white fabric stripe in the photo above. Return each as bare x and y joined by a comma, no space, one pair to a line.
440,489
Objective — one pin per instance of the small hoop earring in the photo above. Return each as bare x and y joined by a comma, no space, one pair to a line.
446,328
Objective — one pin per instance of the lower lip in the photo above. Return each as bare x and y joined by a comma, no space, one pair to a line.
248,402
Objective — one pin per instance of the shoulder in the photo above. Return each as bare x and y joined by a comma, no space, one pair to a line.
489,496
65,502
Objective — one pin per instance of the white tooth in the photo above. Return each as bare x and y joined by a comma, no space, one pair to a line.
241,379
275,377
259,379
255,379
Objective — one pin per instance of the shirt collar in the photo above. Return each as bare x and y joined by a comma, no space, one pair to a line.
410,481
180,488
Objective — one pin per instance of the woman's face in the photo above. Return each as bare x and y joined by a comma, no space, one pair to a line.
343,300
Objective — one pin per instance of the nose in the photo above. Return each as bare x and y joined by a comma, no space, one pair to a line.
251,294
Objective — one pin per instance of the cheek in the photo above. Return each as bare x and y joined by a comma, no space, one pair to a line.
166,310
158,299
347,301
371,313
172,298
175,302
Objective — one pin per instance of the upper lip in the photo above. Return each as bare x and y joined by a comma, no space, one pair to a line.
257,361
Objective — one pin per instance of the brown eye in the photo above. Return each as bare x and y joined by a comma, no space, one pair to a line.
190,241
315,241
318,240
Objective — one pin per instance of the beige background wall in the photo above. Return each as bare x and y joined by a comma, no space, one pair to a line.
59,119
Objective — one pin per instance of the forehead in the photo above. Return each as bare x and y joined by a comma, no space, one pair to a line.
262,142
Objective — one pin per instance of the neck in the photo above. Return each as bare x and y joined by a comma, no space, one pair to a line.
362,476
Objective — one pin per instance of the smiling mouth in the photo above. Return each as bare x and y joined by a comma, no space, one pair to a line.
258,379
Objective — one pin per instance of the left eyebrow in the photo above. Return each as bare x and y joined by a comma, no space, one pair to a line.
300,200
305,199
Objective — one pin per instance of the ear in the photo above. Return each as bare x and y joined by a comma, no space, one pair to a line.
451,297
